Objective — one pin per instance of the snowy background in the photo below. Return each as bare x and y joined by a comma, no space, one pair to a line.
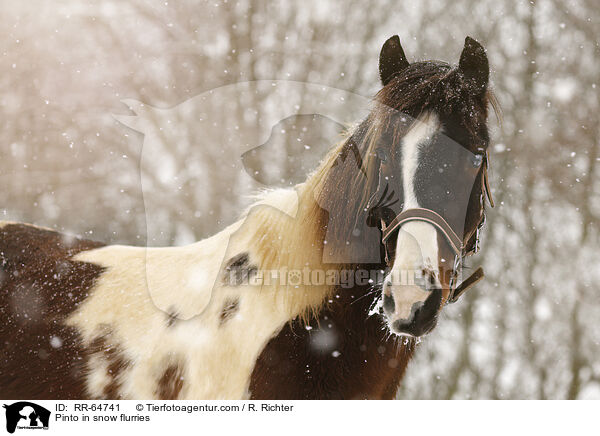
530,330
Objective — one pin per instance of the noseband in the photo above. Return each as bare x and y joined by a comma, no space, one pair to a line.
461,247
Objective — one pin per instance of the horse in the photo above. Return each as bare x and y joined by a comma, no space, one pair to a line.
404,190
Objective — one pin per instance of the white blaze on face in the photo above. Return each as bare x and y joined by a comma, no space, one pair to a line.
416,247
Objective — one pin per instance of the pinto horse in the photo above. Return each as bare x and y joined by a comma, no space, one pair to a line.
403,191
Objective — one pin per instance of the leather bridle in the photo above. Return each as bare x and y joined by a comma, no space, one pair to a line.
461,247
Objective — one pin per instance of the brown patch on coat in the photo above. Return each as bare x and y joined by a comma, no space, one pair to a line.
230,307
357,358
238,270
40,286
172,316
170,383
104,347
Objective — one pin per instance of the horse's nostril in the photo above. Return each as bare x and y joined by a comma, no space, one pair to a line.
402,326
424,318
388,304
413,328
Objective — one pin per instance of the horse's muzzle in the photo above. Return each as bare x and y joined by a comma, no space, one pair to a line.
422,317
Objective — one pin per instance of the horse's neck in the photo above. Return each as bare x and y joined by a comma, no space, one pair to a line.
339,351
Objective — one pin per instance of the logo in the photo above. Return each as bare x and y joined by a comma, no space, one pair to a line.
26,415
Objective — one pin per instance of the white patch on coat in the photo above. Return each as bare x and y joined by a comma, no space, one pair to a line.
141,286
416,246
98,376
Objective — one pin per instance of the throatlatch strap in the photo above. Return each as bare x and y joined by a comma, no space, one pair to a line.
429,216
469,282
486,181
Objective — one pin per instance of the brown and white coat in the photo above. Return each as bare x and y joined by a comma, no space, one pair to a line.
82,320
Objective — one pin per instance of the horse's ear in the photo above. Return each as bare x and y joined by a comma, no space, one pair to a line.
392,59
474,65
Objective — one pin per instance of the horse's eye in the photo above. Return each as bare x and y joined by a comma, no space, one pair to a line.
381,154
476,160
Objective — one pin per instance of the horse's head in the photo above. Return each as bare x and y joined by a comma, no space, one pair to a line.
429,140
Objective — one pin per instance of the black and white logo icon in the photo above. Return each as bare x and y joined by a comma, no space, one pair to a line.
26,415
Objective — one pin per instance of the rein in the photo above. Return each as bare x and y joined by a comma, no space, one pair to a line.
461,248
